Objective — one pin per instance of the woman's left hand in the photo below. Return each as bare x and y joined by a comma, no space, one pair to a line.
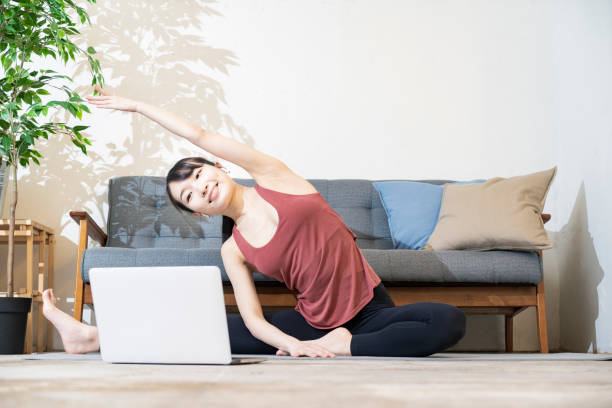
110,101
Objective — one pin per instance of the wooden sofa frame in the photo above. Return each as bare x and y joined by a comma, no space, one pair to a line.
508,300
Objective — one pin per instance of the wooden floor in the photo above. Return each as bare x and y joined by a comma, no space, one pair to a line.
308,383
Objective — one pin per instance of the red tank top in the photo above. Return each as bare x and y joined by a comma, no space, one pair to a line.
314,253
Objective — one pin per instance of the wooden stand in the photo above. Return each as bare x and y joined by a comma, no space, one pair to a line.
30,232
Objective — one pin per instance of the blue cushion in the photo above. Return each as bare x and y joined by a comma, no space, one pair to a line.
412,210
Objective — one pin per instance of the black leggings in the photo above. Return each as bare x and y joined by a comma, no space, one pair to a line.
379,329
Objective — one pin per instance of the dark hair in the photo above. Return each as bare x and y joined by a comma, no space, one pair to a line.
181,171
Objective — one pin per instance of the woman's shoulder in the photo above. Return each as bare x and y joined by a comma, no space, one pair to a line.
230,249
284,180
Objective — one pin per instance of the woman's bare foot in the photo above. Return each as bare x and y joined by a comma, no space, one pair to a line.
338,341
77,337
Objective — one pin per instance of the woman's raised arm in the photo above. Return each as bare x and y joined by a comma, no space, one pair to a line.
241,154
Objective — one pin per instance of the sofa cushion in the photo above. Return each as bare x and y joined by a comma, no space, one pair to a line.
498,214
478,267
412,210
140,215
398,265
101,257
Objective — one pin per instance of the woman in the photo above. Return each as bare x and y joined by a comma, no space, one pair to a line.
285,229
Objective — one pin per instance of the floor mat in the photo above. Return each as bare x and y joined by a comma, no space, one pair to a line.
459,356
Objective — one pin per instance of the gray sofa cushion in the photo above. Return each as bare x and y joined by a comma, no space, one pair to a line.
140,215
479,267
393,266
101,257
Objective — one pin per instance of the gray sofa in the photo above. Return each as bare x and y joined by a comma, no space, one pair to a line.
144,229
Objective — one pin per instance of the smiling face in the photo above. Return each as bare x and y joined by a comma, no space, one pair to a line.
207,190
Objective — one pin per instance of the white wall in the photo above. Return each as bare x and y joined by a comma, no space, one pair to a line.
582,57
362,89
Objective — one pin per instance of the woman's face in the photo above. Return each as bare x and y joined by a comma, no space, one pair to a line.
206,191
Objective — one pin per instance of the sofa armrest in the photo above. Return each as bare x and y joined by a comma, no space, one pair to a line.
92,229
545,218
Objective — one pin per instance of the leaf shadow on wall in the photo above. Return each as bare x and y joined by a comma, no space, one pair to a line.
141,43
579,273
146,54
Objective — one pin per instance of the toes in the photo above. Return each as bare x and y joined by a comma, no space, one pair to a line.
48,297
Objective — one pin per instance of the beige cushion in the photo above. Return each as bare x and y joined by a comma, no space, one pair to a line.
497,214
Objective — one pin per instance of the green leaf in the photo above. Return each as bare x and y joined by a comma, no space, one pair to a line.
28,124
70,107
6,63
43,92
80,146
79,128
91,50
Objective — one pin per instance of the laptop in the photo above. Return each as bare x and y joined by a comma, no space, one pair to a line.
162,315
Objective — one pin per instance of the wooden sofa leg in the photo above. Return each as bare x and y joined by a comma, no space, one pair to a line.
541,313
78,301
79,287
509,334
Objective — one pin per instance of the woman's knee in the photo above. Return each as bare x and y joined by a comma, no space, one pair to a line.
451,322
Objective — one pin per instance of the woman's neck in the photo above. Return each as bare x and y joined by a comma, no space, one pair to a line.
241,204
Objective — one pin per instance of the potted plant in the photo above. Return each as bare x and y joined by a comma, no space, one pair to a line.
32,32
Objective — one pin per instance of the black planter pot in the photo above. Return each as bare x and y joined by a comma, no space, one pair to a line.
13,320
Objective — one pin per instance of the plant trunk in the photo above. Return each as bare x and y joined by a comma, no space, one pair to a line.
11,239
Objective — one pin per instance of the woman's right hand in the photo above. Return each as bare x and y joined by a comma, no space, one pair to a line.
305,348
110,101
